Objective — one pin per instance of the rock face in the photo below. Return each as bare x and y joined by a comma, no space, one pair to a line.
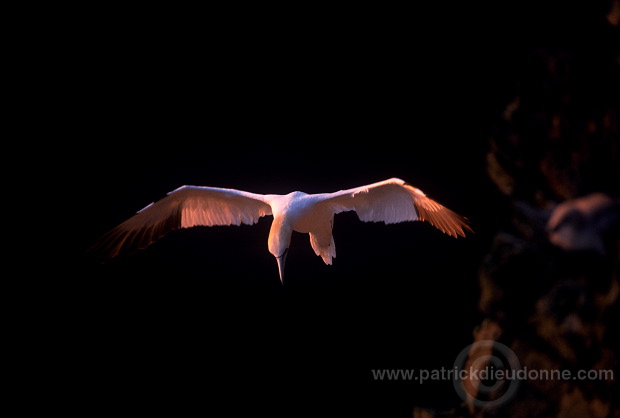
549,283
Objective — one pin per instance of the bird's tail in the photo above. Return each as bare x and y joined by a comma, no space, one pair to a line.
326,252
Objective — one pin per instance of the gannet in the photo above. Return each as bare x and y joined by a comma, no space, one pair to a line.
389,201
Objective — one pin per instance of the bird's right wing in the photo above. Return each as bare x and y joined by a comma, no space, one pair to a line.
393,201
184,207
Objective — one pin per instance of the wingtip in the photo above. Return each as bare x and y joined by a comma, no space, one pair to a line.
465,229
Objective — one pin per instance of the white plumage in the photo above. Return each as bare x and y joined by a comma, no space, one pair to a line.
389,201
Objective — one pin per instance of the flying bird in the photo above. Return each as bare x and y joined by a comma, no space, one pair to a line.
390,201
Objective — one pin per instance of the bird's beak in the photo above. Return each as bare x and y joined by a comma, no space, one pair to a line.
281,261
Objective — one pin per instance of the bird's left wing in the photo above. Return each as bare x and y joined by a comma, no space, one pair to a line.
393,201
184,207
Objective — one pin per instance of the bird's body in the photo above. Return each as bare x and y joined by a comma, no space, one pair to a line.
389,201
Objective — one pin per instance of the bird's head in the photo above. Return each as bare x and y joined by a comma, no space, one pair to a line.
279,241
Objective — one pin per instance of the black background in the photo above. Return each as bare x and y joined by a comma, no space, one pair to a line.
272,99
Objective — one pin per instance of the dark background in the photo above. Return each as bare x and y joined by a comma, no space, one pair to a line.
272,99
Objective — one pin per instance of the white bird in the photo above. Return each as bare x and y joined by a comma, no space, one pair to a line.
389,201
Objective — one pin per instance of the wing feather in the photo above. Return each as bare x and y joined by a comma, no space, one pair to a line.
393,201
184,207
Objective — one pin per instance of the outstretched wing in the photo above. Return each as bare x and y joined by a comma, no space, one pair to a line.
393,201
184,207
